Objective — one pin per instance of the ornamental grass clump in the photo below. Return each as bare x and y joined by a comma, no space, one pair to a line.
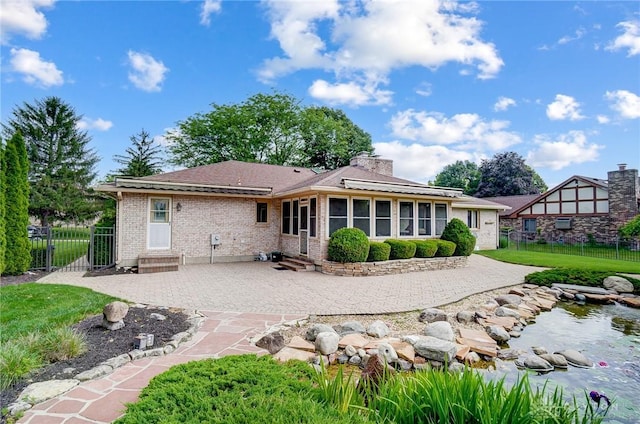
401,249
348,245
426,248
457,231
378,251
445,248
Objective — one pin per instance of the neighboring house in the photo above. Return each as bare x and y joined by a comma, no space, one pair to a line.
231,211
577,207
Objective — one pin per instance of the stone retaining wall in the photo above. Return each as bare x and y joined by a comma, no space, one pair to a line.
398,266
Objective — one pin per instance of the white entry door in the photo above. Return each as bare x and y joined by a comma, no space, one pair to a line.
159,236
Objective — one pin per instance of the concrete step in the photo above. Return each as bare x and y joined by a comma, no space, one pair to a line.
158,262
297,264
151,268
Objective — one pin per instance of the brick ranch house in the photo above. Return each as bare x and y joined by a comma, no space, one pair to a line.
231,211
576,207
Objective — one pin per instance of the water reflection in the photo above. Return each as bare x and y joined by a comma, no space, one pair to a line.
609,335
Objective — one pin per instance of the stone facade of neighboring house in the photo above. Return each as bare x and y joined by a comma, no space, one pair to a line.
576,208
231,211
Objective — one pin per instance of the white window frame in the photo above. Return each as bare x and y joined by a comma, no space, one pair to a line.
313,227
431,219
436,219
400,218
353,212
329,198
375,217
473,217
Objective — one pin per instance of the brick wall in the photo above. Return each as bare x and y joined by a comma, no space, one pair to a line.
400,266
624,191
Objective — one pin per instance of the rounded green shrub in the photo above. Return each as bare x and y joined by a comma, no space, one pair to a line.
426,248
457,232
445,248
378,251
401,249
348,245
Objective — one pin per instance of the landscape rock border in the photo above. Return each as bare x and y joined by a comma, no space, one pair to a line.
39,392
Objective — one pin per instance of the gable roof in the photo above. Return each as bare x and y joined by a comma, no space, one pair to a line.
603,184
513,202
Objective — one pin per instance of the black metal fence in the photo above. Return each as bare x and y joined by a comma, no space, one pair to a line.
582,245
69,248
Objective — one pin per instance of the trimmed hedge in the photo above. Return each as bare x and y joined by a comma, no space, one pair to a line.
348,245
378,251
457,232
445,248
401,249
580,277
426,248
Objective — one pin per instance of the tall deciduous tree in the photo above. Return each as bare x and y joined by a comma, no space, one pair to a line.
506,174
17,255
142,158
62,166
271,129
464,175
330,139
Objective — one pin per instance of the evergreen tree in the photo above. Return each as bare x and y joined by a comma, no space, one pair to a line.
142,157
17,254
3,238
62,166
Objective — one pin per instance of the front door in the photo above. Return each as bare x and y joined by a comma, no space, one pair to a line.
159,236
304,229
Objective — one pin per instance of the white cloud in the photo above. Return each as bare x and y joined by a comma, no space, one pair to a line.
417,162
564,107
146,72
349,93
23,17
94,124
603,119
366,40
626,103
503,103
424,89
209,7
35,70
630,38
463,128
580,32
566,149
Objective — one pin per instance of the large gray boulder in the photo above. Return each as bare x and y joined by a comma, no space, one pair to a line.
388,353
558,361
503,311
327,342
378,329
498,333
432,315
619,284
508,299
534,362
316,329
115,311
272,342
576,358
350,327
435,349
441,330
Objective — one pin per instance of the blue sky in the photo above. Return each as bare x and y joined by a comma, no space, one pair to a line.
432,82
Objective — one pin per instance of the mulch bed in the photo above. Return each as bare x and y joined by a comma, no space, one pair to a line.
102,344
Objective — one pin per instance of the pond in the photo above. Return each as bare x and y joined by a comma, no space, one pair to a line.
609,335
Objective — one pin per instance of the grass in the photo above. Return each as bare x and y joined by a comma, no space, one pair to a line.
235,389
65,252
557,260
34,321
434,396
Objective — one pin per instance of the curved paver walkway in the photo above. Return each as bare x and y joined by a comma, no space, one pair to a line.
259,287
250,298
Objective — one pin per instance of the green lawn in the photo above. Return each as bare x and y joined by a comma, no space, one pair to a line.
557,260
33,307
65,252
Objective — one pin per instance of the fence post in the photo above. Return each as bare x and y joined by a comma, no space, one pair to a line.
617,247
49,251
92,231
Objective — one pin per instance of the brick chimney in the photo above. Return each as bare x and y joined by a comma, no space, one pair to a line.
373,163
624,193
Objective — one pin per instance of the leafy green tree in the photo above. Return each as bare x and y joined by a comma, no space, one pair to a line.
268,128
461,174
142,158
62,166
17,256
538,181
330,139
3,237
506,174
